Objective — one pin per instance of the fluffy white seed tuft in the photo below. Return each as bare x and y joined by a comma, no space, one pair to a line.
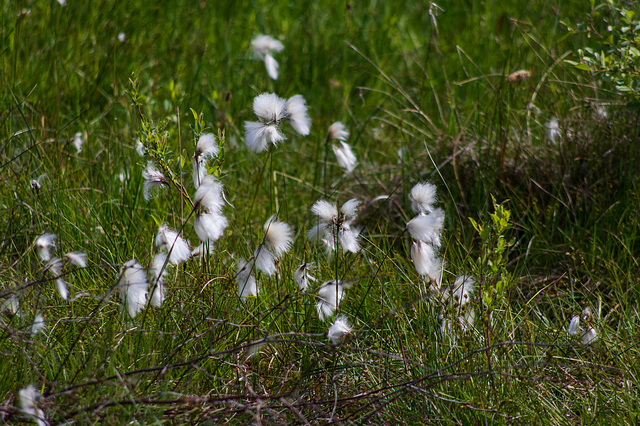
270,107
29,404
247,284
302,277
427,228
176,246
157,272
423,196
426,261
278,236
265,260
298,117
77,258
338,330
345,156
338,131
210,226
258,135
43,244
133,287
153,181
329,294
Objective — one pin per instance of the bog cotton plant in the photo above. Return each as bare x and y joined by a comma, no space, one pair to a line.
154,180
278,238
271,110
263,48
426,229
132,286
43,246
29,397
343,152
338,330
333,227
246,281
176,247
302,275
157,272
206,150
330,295
209,222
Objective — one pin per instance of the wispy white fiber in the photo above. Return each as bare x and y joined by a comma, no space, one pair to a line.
77,142
210,226
329,294
338,330
77,258
278,236
176,246
263,48
157,272
423,196
247,284
345,156
153,181
427,228
338,131
43,245
29,397
426,261
133,287
302,275
298,117
38,324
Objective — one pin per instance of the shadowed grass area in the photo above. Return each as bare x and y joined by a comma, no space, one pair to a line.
429,93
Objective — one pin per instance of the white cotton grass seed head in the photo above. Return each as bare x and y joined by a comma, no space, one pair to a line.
259,135
345,156
329,296
325,211
54,267
338,330
37,182
61,286
423,196
427,228
574,328
153,180
43,245
348,238
29,397
133,287
338,131
156,286
247,284
176,246
206,150
302,275
426,261
350,210
263,48
553,130
270,107
265,261
589,336
77,258
77,142
210,194
210,226
278,236
298,117
263,44
38,324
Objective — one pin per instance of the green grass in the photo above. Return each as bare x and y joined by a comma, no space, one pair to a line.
424,100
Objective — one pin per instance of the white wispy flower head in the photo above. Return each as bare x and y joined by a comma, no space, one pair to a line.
38,324
332,228
350,210
278,236
348,238
77,258
54,266
153,180
325,211
338,131
210,226
426,261
206,149
427,228
574,326
589,336
36,183
29,404
553,130
177,247
298,117
210,194
302,276
263,48
133,287
345,156
247,284
329,294
77,142
258,135
462,289
338,330
423,196
122,37
43,244
265,261
61,286
269,107
158,271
